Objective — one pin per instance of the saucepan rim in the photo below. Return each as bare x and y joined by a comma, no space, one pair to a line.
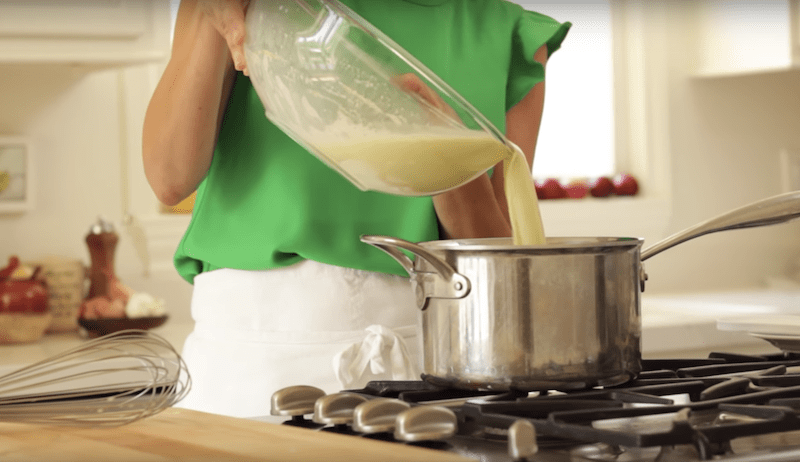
581,243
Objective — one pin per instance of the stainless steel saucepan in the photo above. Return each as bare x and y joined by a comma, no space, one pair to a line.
564,315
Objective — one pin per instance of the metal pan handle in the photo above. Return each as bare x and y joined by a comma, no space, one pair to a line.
444,283
769,211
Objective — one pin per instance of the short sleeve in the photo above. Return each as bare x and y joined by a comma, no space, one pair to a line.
531,32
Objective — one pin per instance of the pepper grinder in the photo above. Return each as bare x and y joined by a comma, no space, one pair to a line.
102,242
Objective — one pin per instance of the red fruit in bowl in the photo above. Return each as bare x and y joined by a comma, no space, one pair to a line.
601,187
21,296
552,189
577,189
625,185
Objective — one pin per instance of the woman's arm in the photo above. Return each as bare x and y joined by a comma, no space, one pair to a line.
479,209
184,115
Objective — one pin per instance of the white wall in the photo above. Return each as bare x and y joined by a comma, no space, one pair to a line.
724,137
73,121
727,134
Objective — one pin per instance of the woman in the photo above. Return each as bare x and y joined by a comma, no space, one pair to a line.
284,291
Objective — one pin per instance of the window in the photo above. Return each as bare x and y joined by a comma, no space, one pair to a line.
577,133
173,9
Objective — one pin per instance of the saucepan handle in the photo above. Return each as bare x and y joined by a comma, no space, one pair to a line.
769,211
446,282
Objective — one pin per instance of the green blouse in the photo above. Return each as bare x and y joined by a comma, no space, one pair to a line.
267,203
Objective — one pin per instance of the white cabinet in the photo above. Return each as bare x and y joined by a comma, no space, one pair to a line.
747,36
84,31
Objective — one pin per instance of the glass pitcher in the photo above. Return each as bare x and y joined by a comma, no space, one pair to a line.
354,98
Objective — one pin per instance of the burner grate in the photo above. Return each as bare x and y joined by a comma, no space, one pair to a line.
416,391
728,397
703,403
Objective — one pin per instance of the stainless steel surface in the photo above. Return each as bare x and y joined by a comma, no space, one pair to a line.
507,427
101,226
378,415
564,315
775,447
522,440
792,455
560,316
770,211
295,400
109,381
336,409
425,423
444,282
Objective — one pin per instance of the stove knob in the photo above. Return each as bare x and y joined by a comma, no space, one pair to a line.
295,401
378,415
336,409
522,440
425,423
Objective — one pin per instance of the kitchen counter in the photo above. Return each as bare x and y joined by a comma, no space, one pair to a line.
685,325
184,435
18,355
674,326
679,325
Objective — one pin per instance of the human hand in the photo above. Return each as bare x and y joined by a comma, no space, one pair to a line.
411,83
227,16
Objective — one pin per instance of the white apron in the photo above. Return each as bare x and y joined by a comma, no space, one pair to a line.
307,324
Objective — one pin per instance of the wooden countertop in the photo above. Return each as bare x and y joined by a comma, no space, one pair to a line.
184,435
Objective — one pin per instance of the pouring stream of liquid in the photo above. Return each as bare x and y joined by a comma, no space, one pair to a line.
523,204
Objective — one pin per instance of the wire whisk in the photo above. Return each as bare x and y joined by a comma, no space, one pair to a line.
108,381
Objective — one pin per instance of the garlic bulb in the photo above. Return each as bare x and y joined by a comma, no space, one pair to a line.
142,305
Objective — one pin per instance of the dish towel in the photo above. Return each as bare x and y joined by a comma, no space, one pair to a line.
382,353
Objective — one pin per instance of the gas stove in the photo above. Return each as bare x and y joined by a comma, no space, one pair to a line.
726,407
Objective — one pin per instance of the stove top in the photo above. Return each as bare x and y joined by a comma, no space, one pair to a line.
725,407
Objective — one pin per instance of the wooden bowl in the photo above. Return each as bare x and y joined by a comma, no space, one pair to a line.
99,327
